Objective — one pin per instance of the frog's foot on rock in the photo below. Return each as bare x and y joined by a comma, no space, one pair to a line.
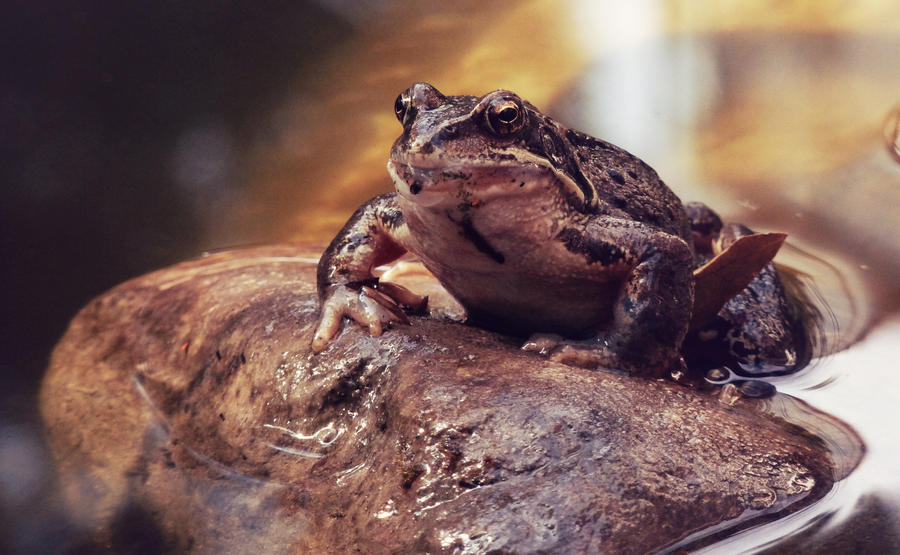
369,307
594,354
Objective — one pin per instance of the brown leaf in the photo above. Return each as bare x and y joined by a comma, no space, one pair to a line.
726,275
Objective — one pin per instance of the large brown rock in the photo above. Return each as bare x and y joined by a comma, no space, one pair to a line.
185,412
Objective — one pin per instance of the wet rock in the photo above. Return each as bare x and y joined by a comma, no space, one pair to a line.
186,404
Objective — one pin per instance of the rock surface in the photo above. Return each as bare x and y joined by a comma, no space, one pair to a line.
185,411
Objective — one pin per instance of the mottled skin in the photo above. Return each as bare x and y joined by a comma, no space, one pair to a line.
543,231
705,228
533,227
760,331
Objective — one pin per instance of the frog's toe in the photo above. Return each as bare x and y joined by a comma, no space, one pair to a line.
329,324
378,309
403,296
365,306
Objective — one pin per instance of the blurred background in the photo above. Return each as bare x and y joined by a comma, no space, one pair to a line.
134,135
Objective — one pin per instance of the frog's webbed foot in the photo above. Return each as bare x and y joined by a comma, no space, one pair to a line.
369,307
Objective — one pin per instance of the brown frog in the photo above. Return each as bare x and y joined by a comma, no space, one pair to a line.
535,228
764,329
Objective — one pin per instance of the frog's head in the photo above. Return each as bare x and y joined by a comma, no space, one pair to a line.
455,147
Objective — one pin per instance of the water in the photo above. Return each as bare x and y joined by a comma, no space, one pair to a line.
853,386
892,133
145,134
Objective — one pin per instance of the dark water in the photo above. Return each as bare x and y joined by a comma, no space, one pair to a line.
136,135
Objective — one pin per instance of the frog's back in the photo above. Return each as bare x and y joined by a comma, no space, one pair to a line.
627,187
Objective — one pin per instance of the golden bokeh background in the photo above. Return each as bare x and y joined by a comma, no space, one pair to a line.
770,111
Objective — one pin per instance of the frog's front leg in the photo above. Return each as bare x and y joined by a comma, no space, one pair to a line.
347,287
652,311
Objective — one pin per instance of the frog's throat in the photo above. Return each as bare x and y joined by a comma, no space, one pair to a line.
419,188
425,198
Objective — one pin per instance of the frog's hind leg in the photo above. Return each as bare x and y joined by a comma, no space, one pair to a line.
758,332
651,313
764,336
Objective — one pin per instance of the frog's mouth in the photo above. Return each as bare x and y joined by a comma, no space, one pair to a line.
433,185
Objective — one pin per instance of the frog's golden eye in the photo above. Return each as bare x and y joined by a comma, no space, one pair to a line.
505,116
401,106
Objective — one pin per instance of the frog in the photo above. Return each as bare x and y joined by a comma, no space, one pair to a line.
539,231
764,330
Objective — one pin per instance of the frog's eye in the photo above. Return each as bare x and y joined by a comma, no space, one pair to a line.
505,116
401,106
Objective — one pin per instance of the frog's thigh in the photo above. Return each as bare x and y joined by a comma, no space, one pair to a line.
651,315
659,290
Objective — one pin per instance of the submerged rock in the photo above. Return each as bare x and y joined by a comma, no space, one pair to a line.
185,410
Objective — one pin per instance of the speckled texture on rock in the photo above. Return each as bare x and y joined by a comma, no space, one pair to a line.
187,401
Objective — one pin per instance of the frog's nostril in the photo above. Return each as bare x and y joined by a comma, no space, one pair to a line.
415,188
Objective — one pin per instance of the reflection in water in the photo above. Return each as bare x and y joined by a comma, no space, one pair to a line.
843,443
892,133
830,296
160,435
324,436
810,308
862,394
